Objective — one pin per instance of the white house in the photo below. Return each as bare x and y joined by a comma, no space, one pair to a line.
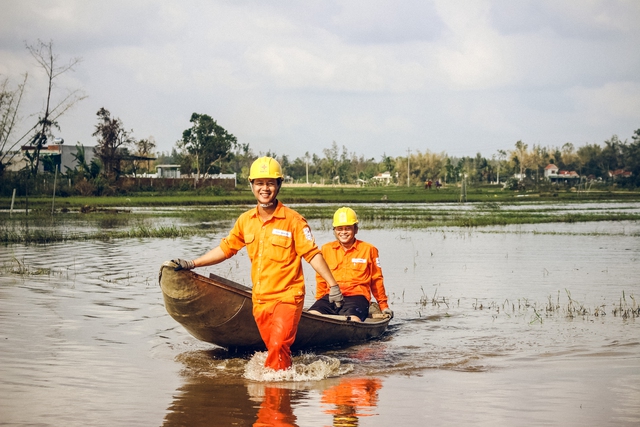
553,174
550,170
383,177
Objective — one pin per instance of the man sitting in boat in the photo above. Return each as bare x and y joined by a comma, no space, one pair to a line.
356,266
276,238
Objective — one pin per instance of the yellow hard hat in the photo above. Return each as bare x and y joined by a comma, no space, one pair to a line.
344,216
265,167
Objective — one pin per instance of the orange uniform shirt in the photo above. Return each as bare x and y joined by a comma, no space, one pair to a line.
357,271
275,249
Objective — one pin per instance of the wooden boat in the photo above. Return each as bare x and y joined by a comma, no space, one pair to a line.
219,311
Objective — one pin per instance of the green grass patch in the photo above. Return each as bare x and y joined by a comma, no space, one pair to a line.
51,235
318,194
147,216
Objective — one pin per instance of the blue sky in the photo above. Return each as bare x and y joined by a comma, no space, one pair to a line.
377,77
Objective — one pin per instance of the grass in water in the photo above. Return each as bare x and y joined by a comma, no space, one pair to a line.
22,269
626,308
45,236
200,219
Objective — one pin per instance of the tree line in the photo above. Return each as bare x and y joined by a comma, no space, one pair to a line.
206,148
337,165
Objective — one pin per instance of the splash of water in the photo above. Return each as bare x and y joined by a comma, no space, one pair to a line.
306,367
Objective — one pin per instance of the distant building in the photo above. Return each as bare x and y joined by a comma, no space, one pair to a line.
383,177
553,174
168,171
550,170
620,173
59,155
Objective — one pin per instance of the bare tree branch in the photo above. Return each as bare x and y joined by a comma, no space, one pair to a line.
42,52
10,101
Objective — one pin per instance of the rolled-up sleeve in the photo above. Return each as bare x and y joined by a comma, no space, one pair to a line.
235,241
377,280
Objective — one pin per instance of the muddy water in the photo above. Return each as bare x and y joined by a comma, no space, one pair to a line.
486,332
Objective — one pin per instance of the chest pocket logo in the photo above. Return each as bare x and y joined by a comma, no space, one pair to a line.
358,264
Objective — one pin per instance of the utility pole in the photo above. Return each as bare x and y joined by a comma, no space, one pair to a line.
463,189
408,168
306,159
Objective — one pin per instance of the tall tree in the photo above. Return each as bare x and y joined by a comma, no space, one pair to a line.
590,156
49,62
520,157
330,161
10,99
388,163
145,148
570,158
428,165
539,159
345,167
612,154
501,156
208,142
632,156
112,139
239,161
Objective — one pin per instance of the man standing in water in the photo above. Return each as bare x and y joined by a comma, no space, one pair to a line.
356,266
277,238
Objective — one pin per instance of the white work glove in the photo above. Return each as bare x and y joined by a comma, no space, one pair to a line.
335,296
388,312
183,264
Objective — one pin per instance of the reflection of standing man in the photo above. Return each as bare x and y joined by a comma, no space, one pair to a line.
276,410
356,267
276,238
352,398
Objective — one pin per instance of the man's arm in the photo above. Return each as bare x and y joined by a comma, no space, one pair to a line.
377,281
320,266
214,256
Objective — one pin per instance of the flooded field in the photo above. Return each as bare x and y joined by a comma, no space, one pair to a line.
522,325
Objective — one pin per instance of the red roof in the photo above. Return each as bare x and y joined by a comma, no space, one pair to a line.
621,173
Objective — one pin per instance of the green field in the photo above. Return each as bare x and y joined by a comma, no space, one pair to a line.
319,194
107,218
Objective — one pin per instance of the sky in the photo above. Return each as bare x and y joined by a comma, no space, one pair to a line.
377,77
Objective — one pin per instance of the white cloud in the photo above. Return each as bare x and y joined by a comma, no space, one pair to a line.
471,54
373,75
613,101
158,68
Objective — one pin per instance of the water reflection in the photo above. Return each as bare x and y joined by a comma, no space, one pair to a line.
214,393
352,398
276,405
346,402
205,401
85,338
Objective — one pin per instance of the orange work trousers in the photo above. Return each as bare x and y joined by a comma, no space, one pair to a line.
278,324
